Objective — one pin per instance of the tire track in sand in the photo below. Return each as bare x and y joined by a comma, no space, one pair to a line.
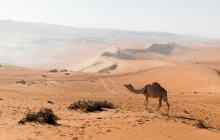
120,90
104,84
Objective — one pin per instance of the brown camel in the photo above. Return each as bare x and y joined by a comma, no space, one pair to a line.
153,90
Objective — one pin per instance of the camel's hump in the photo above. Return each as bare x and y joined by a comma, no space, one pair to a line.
156,83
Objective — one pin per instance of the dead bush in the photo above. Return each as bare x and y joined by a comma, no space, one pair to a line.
21,82
91,106
54,71
45,115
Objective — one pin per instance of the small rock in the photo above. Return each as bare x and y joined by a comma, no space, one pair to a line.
186,112
50,102
200,124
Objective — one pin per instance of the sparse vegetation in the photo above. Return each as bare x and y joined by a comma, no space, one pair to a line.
53,71
64,70
21,82
44,75
67,74
91,106
45,115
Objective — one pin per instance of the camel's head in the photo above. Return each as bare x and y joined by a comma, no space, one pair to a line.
128,86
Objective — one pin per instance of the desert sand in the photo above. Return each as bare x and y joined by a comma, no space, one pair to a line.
96,64
192,82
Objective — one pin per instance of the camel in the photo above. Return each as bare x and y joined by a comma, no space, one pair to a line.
153,90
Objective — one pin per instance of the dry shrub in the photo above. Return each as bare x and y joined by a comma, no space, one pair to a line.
91,106
54,71
21,82
45,115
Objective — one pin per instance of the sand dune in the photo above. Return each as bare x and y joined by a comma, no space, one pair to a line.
97,64
178,79
208,55
130,66
118,53
104,61
121,59
115,60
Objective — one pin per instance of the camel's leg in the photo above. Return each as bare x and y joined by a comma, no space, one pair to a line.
166,100
160,103
146,103
168,107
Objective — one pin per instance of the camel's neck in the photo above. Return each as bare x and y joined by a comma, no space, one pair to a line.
136,91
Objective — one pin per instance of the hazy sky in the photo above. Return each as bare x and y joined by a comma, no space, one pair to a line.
198,17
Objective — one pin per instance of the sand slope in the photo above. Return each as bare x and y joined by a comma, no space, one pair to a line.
177,79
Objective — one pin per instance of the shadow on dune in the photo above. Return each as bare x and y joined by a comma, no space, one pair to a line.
113,67
162,48
165,49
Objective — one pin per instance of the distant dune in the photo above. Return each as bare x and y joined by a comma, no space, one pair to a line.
37,43
48,46
119,53
119,59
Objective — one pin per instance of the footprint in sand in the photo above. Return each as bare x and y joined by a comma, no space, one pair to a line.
108,130
81,133
134,125
140,121
99,133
